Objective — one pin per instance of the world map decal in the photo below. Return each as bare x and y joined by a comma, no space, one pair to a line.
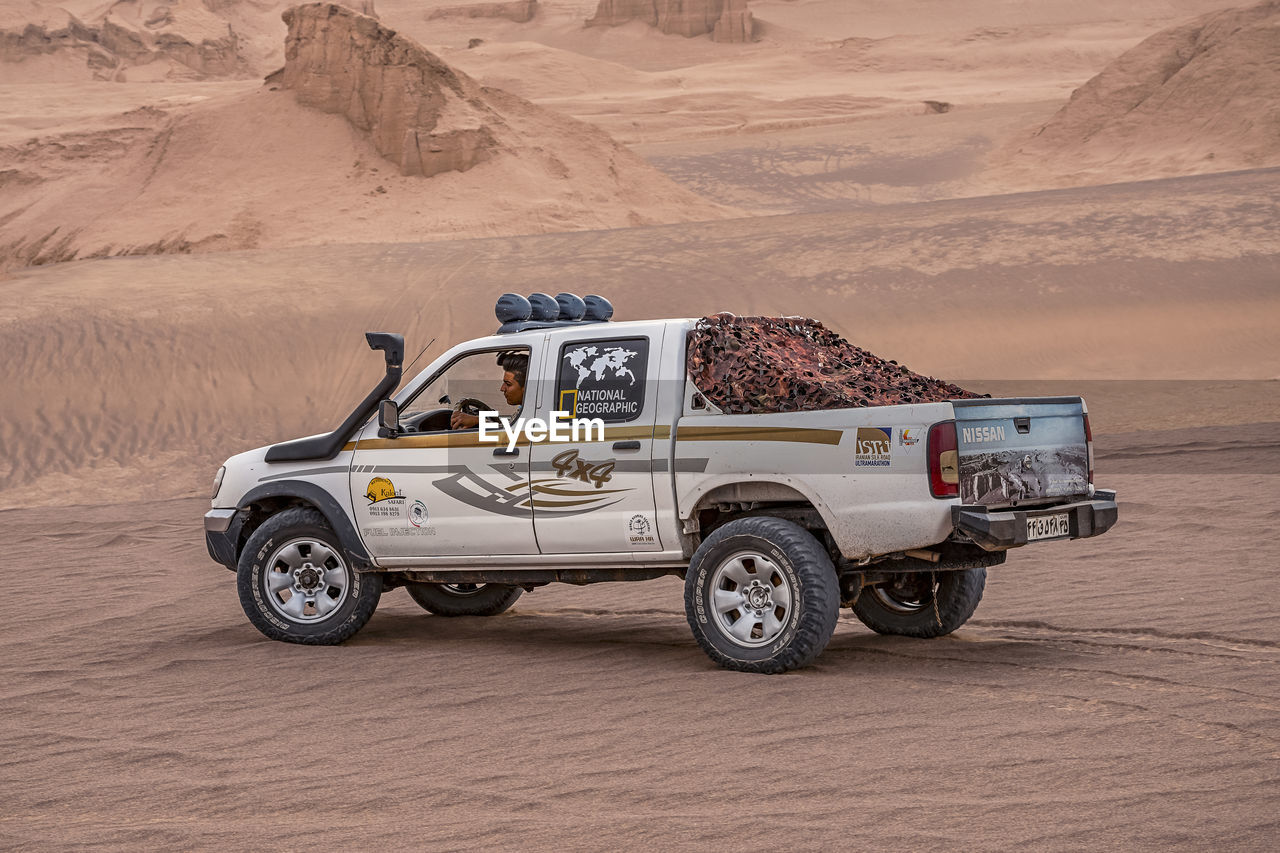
603,379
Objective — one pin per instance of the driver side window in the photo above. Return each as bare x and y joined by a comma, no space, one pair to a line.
475,378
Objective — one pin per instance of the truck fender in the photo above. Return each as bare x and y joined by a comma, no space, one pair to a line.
747,485
317,497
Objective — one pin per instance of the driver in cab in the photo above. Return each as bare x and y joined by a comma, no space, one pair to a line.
515,372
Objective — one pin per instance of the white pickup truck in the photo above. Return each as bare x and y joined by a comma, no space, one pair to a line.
774,521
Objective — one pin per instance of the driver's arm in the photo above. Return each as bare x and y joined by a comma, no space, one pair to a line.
461,420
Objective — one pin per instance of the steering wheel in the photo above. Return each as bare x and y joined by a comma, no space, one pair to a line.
472,406
432,420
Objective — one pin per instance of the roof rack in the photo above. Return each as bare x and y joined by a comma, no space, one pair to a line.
543,311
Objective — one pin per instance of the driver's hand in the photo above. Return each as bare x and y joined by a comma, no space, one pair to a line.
461,420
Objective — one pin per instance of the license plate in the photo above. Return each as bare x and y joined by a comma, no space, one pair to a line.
1048,526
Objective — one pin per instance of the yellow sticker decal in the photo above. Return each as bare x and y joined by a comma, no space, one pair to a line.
380,489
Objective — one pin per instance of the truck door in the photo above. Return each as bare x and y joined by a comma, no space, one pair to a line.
597,496
434,491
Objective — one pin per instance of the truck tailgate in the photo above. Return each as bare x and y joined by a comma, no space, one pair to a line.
1024,451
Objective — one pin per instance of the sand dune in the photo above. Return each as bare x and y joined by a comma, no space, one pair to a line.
246,348
778,86
840,19
1199,97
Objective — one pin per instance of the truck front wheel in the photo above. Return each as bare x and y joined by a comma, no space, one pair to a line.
761,595
921,604
296,584
464,599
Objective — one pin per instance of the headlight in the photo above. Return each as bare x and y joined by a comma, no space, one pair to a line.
217,482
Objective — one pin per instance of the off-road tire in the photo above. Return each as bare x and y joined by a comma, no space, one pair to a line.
489,599
362,589
801,563
958,594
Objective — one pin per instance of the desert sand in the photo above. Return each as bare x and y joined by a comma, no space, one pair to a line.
192,244
1108,694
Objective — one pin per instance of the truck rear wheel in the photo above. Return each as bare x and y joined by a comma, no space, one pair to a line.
921,604
464,599
761,595
297,585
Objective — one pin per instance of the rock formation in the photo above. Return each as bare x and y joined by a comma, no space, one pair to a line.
726,20
300,162
419,113
735,24
185,33
519,11
1193,98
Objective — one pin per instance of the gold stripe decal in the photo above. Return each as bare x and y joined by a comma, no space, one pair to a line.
807,435
802,434
471,438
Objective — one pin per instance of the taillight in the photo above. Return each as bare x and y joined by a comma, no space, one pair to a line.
1088,442
944,460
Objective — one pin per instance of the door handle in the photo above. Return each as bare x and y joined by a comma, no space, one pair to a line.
502,451
626,445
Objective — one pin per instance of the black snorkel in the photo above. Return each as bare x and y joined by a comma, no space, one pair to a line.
328,446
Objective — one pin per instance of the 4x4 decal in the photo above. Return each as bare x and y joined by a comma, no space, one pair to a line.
549,495
570,464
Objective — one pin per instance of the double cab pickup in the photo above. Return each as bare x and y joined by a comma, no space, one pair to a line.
774,521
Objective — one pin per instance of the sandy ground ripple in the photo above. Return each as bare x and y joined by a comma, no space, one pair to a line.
109,392
1109,694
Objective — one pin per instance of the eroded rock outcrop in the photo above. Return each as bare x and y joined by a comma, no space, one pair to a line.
300,162
519,11
735,24
193,40
419,113
725,20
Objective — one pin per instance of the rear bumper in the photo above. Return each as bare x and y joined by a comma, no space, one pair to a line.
1003,529
222,535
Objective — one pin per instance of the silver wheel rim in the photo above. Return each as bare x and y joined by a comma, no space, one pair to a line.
751,599
463,589
307,580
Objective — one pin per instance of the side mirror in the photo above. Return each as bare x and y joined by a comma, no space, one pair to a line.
388,419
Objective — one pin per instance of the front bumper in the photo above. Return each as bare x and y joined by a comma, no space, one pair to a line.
222,535
1003,529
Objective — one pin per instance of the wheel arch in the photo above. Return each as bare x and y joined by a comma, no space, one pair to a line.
264,501
786,498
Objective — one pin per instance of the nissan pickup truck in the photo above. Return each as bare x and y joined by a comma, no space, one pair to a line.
774,520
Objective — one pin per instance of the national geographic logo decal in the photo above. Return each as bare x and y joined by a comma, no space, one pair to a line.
871,449
603,378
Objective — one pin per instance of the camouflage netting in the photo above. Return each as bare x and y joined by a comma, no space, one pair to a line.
754,365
